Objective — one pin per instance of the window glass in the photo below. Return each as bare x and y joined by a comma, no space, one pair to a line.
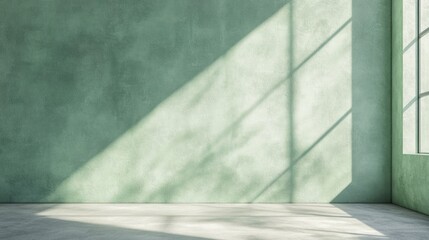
423,87
409,77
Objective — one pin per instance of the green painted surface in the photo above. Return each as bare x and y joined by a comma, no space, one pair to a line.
410,178
195,101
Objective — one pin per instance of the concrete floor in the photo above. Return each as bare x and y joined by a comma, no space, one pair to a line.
211,221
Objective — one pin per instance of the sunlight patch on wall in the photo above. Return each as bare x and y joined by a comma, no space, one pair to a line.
268,121
226,125
322,100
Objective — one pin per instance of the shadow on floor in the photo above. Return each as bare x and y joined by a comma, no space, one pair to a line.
211,221
29,225
407,224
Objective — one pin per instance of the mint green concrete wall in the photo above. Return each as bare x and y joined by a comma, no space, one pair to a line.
410,178
195,101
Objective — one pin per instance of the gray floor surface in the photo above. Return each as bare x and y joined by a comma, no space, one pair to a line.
211,221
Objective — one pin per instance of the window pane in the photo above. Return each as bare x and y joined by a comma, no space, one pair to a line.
424,76
409,136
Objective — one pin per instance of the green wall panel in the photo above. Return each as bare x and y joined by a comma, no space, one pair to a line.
195,101
410,175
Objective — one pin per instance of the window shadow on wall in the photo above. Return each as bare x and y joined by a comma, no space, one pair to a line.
77,75
106,103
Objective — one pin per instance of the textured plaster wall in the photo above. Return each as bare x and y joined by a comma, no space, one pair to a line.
195,101
410,178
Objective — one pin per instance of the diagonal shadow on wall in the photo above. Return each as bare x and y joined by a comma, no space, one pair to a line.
76,75
371,97
79,78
